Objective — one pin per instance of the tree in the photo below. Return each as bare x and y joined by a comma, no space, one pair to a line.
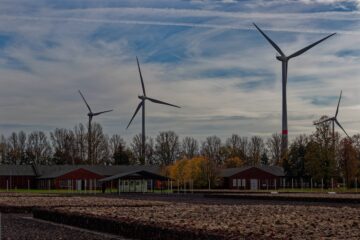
136,150
320,162
348,161
274,148
120,154
63,143
167,147
294,165
257,148
233,162
238,147
211,149
198,170
264,159
16,148
3,150
38,149
100,149
190,147
80,143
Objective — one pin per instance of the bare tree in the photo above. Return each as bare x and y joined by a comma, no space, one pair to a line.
100,148
257,148
16,148
80,143
274,148
38,149
167,147
3,150
136,150
238,147
190,147
211,149
120,154
63,142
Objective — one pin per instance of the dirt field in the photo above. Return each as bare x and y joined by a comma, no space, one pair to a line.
222,218
23,227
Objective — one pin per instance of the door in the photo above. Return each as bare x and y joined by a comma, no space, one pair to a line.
78,185
253,184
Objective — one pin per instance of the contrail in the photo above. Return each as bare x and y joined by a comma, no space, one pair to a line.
176,24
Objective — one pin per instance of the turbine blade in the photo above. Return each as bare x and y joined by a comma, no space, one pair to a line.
161,102
336,121
337,109
301,51
98,113
136,111
323,121
85,101
270,41
141,78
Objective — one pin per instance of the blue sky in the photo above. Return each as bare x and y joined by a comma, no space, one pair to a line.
205,56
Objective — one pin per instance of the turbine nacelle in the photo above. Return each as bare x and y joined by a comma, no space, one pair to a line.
281,58
141,97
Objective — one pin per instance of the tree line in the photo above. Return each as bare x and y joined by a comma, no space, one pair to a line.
317,156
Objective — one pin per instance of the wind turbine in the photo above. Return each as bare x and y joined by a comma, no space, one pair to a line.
91,114
143,98
334,121
285,59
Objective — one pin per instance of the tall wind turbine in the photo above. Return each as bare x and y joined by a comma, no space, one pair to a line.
143,98
334,121
285,59
91,114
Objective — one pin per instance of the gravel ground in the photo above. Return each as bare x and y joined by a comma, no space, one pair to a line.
23,227
199,199
231,221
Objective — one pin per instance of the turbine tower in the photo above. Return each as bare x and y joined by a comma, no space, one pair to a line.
143,98
284,60
334,121
91,115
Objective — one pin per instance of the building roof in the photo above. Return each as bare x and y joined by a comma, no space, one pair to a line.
143,174
54,171
274,170
16,170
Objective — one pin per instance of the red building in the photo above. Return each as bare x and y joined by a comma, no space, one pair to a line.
71,177
251,177
16,176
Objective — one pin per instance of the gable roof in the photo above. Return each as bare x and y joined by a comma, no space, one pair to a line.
142,174
274,170
53,171
16,170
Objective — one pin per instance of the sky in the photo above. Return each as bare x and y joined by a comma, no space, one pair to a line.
205,56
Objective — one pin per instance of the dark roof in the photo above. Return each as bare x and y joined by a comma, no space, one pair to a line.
16,170
53,171
274,170
136,174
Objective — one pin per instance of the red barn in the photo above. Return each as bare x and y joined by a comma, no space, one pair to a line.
252,177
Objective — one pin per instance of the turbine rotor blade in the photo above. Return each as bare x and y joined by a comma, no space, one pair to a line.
270,41
161,102
337,109
136,111
336,121
85,101
141,78
301,51
98,113
323,121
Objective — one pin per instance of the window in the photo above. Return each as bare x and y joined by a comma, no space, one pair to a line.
234,182
239,182
244,183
